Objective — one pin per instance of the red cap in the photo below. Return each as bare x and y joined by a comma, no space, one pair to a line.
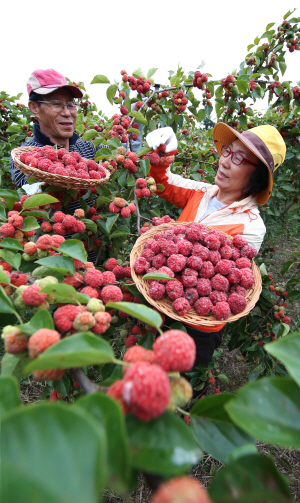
47,81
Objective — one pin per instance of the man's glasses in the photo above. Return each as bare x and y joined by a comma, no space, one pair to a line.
236,157
57,105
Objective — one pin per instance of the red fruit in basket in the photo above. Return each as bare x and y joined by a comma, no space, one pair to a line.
224,267
203,306
174,290
194,262
176,262
159,261
218,296
234,276
204,287
44,164
212,242
181,306
157,290
207,270
219,282
239,242
214,257
141,265
247,280
248,251
225,252
200,251
184,247
237,303
243,262
221,311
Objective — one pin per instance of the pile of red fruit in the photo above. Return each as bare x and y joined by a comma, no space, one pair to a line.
210,272
61,162
141,85
199,79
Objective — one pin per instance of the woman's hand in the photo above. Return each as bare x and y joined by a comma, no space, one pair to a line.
161,136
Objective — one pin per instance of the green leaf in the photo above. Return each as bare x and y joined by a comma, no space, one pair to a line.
151,72
213,429
36,213
158,276
103,200
90,225
200,115
6,305
9,193
9,394
114,142
111,221
138,72
134,131
268,409
293,295
4,278
64,265
107,413
111,92
30,432
138,116
219,92
138,311
90,134
119,232
145,166
242,86
100,79
12,244
74,248
30,223
286,266
65,293
80,349
41,319
142,151
251,478
163,446
14,128
14,259
288,352
282,67
38,200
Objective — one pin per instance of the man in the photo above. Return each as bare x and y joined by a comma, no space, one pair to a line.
51,101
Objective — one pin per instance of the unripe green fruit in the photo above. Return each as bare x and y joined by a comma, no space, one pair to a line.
7,330
123,333
255,338
150,181
30,258
20,304
20,290
95,305
44,305
114,319
181,392
48,280
42,253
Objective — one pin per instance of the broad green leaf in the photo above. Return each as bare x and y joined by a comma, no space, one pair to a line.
11,244
286,266
14,259
64,265
138,72
142,151
90,225
200,115
64,291
213,429
103,200
269,410
100,79
288,352
36,214
242,86
293,295
107,413
111,221
30,223
9,193
138,116
138,311
145,166
114,142
151,72
134,291
4,278
90,134
9,394
75,444
164,446
74,248
120,233
134,131
38,200
83,348
111,92
6,305
252,478
41,319
282,66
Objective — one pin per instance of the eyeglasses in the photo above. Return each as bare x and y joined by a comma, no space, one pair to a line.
57,105
236,157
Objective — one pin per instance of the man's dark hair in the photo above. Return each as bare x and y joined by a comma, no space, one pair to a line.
259,179
35,97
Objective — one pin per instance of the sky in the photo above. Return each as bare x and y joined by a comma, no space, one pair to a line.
83,39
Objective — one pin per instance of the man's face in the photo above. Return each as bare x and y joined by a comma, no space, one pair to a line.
57,125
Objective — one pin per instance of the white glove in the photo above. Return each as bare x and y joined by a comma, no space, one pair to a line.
33,188
160,136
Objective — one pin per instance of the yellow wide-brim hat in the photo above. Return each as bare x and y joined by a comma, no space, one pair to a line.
264,141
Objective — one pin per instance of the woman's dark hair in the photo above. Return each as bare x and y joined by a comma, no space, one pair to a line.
258,180
35,97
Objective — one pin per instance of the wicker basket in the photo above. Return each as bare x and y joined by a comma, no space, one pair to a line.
165,305
68,182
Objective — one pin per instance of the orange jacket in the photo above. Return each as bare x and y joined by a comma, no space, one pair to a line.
240,217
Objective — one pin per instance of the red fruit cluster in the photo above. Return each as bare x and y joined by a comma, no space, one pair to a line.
61,162
145,188
66,224
228,82
205,280
46,242
180,101
199,79
141,85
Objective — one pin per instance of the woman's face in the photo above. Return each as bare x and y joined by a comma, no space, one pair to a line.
231,178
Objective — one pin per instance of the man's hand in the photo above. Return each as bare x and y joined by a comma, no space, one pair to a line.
160,136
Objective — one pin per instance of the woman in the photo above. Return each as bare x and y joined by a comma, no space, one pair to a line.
244,179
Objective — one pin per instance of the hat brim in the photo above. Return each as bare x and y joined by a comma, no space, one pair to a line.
225,135
47,90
